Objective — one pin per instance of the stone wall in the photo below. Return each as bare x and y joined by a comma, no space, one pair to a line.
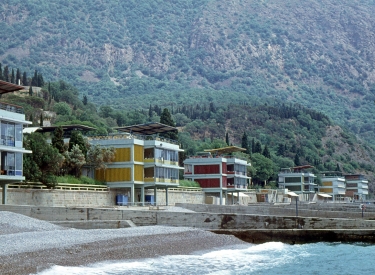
76,198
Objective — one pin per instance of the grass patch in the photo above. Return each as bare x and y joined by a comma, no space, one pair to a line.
189,183
81,180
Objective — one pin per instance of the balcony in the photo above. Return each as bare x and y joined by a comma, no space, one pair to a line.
11,108
236,186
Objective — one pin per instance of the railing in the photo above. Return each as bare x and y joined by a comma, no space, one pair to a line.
11,108
61,186
131,136
237,186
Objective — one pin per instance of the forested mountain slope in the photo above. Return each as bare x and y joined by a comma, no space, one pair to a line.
128,54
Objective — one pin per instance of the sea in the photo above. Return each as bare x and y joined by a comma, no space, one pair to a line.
267,258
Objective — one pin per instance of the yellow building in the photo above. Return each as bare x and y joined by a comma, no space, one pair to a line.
333,184
142,161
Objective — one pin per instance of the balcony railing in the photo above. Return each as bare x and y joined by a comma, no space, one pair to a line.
238,186
131,136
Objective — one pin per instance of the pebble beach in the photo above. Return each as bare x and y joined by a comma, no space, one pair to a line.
30,246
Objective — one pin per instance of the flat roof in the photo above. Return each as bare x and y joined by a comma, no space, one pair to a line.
6,87
226,150
147,129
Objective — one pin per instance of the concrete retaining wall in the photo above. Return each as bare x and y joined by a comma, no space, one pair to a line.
351,211
191,219
77,198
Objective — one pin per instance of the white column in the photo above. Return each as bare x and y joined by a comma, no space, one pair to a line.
166,196
142,196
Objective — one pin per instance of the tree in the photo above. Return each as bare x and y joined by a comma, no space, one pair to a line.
98,157
77,139
338,167
1,72
297,162
31,90
6,74
44,162
150,112
34,80
227,138
41,120
58,140
280,149
258,147
24,79
263,168
84,101
166,118
62,108
12,77
18,76
266,152
245,143
40,80
253,145
74,160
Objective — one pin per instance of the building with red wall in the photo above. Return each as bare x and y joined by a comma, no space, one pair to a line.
218,171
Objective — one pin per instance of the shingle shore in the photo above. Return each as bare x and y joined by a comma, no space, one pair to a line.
29,245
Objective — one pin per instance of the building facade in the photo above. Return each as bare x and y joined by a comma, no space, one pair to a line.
356,187
333,184
298,180
141,162
12,121
217,172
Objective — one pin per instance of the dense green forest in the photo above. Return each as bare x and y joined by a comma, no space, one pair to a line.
126,54
275,134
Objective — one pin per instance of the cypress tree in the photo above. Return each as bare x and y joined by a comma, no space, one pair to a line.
6,74
58,139
12,80
84,97
258,148
41,120
31,91
150,112
24,79
253,146
18,76
40,80
166,119
34,80
266,152
1,72
227,138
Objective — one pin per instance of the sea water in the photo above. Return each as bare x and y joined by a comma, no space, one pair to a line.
268,258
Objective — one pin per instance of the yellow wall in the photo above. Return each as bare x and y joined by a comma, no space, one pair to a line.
122,154
327,183
113,174
326,190
138,153
138,172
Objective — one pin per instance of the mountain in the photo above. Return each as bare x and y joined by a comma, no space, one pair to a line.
128,54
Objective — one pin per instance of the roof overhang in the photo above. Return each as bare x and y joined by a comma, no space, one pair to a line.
226,150
147,129
292,194
6,87
324,195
